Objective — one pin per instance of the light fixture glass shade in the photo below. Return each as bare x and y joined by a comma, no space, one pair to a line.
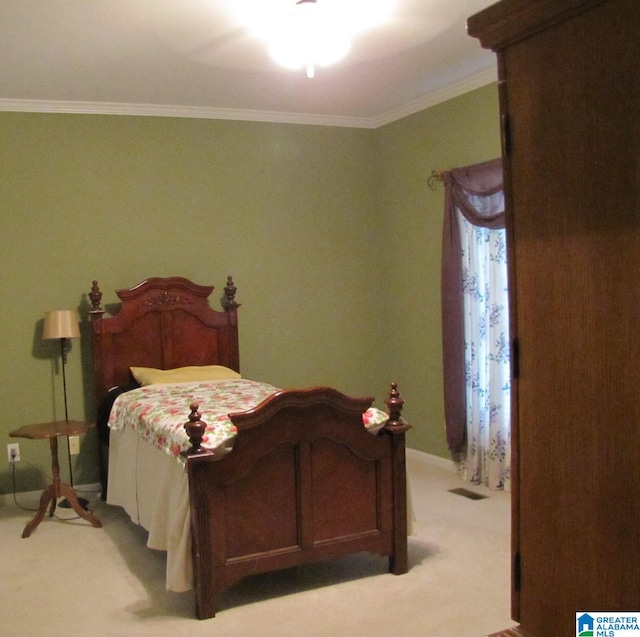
309,36
309,33
61,324
297,50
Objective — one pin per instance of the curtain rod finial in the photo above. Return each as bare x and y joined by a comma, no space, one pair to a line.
436,176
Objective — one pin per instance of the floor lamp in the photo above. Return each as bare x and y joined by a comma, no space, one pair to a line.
63,325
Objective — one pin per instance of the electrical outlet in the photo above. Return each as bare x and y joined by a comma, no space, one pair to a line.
13,452
74,445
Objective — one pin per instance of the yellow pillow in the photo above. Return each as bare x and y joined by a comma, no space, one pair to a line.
152,376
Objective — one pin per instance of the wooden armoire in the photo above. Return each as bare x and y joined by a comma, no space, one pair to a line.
569,81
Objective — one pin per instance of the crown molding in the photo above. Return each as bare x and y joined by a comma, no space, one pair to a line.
479,80
194,112
164,110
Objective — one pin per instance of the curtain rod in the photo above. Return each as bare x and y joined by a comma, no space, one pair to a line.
436,176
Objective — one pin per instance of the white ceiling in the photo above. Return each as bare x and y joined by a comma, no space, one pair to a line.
196,58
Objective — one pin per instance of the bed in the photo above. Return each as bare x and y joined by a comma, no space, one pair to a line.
299,480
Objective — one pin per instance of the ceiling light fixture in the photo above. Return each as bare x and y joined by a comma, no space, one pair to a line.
310,36
306,34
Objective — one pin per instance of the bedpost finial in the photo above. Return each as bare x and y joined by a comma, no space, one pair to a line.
229,301
395,402
195,429
95,296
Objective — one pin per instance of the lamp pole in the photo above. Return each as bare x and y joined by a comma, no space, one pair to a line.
63,351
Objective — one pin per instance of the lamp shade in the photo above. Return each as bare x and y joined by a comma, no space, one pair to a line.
61,324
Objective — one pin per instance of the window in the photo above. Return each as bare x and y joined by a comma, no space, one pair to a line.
475,321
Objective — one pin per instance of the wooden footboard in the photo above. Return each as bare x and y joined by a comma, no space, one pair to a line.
304,482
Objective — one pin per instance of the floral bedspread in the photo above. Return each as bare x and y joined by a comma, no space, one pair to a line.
158,412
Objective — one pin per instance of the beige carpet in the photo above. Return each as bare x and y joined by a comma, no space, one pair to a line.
69,578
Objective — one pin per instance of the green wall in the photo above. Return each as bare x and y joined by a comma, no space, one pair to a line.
460,132
331,234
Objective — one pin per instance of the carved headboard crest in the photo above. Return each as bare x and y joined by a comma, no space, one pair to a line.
164,298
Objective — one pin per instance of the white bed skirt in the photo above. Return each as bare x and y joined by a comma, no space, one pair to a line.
153,488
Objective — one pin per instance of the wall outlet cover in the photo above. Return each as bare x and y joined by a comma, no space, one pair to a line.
13,452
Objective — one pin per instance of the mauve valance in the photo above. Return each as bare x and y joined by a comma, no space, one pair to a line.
480,180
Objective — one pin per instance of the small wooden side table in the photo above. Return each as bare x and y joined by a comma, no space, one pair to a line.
52,430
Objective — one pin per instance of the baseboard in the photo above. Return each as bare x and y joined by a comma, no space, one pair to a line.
413,455
516,631
33,497
448,464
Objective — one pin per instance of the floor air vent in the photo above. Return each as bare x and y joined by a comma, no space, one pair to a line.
472,495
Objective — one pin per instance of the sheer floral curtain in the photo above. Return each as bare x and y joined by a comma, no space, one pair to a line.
475,324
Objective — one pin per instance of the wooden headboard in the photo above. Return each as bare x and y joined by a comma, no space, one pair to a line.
162,323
